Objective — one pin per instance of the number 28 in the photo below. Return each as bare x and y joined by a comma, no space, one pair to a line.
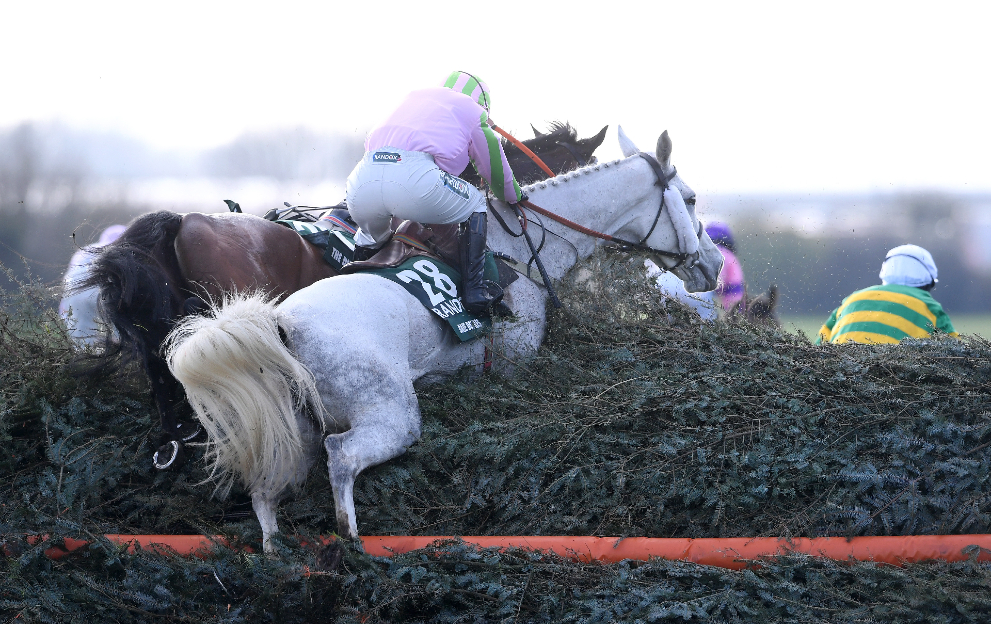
440,281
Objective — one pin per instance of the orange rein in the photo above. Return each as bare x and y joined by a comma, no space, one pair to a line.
526,150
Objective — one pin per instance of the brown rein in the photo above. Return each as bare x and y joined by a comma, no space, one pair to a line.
566,222
662,181
534,207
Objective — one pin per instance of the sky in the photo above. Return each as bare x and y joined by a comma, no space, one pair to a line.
757,96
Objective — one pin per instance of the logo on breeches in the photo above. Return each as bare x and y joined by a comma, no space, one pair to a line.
386,157
456,184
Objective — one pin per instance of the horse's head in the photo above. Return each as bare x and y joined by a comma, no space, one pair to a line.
761,310
559,148
685,249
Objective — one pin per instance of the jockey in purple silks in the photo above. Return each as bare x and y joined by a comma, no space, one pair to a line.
731,288
410,171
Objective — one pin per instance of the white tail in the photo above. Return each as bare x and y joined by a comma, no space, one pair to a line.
246,388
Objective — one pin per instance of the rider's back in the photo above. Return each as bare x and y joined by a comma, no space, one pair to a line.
886,314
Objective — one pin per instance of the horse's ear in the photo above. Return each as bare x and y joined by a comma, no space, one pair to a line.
772,296
664,149
536,133
593,143
628,147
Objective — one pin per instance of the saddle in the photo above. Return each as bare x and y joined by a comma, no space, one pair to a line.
410,239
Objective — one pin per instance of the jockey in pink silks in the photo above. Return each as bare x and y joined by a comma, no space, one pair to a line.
731,288
410,171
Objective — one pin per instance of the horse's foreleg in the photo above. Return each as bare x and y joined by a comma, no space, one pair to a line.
166,392
376,436
163,388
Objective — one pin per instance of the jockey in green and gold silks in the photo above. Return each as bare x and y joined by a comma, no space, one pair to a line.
885,314
901,307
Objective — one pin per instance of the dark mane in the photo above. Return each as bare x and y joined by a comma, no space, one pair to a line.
137,275
559,132
560,148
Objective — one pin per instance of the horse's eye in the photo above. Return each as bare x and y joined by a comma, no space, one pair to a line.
690,201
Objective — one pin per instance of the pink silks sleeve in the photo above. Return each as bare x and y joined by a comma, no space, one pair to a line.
731,287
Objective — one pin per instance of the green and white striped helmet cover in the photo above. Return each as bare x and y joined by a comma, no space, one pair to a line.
473,87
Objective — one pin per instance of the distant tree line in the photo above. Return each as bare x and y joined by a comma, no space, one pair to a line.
287,155
46,169
816,273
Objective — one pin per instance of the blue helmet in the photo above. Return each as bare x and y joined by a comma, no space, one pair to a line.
721,235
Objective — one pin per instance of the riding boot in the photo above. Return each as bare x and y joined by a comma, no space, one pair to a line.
478,294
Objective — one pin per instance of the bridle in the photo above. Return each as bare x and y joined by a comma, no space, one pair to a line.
663,180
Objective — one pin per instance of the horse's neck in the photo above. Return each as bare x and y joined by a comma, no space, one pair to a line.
601,197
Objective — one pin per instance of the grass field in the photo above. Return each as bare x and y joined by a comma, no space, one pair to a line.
979,324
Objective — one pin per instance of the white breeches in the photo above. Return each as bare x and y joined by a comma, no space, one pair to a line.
391,182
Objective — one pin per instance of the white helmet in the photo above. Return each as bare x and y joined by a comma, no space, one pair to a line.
909,265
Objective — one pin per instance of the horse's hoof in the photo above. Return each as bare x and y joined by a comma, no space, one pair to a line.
357,544
169,455
353,542
188,430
